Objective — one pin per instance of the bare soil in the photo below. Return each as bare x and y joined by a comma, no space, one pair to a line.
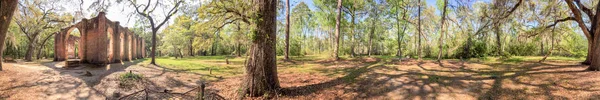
367,78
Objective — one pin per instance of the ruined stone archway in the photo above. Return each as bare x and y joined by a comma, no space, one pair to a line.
101,41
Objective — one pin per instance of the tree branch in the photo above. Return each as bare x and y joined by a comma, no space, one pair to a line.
585,9
171,13
561,20
578,18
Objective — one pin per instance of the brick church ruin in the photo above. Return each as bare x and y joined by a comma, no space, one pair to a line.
98,41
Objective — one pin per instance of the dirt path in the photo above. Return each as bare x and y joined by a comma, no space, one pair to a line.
51,82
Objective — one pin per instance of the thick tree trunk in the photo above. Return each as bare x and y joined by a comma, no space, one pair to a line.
261,68
8,8
287,31
588,58
30,49
595,62
337,30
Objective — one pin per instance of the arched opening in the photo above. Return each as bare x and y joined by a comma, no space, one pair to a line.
73,37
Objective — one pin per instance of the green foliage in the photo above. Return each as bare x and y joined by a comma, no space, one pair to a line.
523,49
477,49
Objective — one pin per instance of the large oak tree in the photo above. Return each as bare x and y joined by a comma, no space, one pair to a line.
8,8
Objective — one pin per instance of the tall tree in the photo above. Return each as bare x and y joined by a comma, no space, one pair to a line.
374,17
34,18
592,33
287,30
8,8
419,49
261,69
147,11
337,30
355,8
442,33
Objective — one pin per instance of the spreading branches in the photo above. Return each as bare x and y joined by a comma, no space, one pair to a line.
577,16
146,13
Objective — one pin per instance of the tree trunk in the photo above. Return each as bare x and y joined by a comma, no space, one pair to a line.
261,68
542,46
419,29
30,49
180,53
337,30
153,53
191,46
287,31
239,50
8,8
42,46
443,31
371,38
498,40
588,58
551,46
353,45
595,62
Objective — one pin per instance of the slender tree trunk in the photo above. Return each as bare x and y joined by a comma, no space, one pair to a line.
261,68
353,45
371,38
337,30
191,46
153,53
239,50
369,51
180,53
542,46
8,8
551,46
443,31
419,51
287,31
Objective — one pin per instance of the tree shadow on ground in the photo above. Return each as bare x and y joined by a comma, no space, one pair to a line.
459,80
98,71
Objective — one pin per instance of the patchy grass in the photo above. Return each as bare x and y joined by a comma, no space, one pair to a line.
129,79
217,68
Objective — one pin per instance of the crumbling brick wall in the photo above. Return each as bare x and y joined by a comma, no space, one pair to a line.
101,42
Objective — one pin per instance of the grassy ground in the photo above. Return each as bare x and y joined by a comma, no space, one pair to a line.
310,64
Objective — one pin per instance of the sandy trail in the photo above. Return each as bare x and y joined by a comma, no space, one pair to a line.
50,81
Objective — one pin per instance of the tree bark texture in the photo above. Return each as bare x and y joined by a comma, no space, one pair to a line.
337,30
261,68
8,8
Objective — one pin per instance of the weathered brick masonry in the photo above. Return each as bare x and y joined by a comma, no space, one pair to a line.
100,41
